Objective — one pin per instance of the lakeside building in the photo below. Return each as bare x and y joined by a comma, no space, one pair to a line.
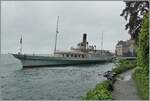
125,48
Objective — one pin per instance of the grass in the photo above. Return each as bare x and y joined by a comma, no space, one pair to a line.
100,92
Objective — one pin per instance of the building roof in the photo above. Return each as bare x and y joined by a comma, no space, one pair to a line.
125,43
121,42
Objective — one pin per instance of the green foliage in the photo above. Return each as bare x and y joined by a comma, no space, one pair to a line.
133,13
141,75
142,83
143,47
139,31
124,65
100,92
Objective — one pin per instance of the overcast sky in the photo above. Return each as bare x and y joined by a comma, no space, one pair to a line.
36,21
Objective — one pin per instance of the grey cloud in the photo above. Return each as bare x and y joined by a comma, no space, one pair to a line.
36,20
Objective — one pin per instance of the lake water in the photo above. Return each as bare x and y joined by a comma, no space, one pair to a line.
48,83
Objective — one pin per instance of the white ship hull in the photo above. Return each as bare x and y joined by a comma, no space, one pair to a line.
38,61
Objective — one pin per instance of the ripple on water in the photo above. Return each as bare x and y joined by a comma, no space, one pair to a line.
65,83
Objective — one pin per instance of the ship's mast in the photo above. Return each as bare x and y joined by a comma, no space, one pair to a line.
0,47
56,35
21,45
102,43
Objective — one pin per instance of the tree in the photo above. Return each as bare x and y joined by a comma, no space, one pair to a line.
137,15
134,14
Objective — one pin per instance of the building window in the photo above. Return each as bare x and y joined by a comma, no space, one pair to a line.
67,55
82,56
75,55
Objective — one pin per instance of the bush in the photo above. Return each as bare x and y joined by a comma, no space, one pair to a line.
124,65
141,75
142,83
143,46
100,92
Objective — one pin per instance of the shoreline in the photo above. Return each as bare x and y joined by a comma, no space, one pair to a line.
122,66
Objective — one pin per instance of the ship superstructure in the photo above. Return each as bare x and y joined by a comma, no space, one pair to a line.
84,50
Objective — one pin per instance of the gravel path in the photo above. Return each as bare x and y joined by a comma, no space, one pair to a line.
124,87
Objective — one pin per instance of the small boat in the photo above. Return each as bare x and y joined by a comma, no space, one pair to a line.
82,54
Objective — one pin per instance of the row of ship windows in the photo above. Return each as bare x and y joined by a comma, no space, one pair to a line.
74,55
